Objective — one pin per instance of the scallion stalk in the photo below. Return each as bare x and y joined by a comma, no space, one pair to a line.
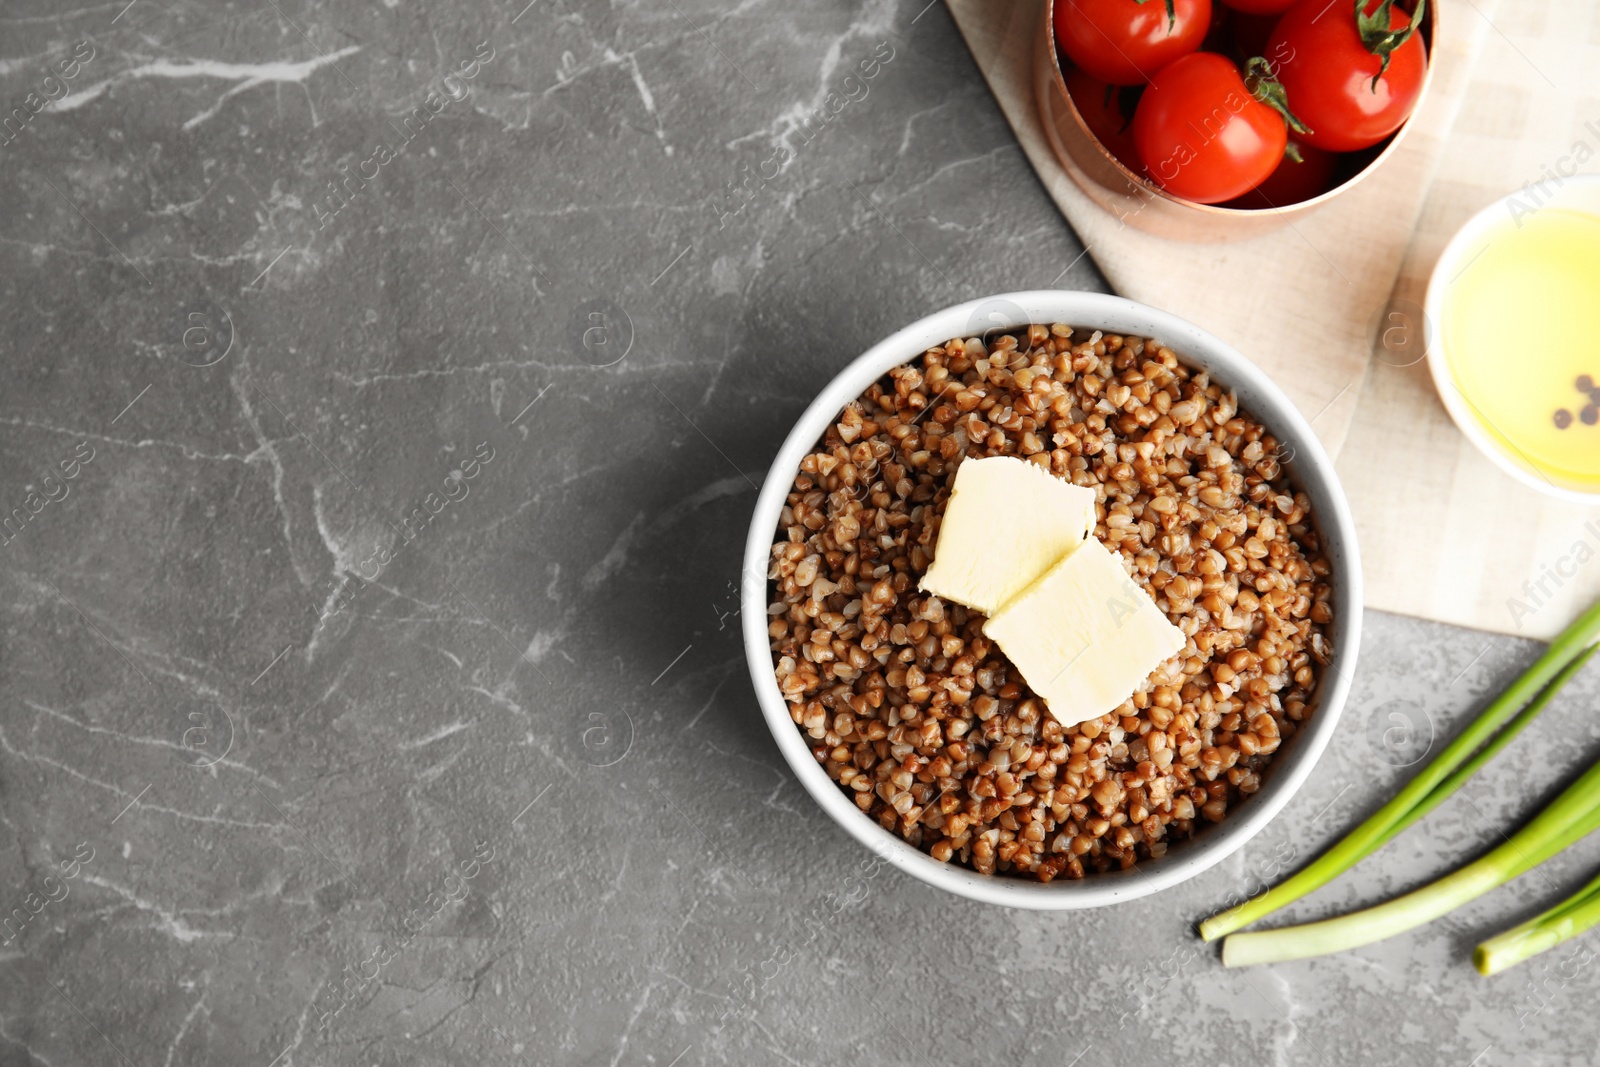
1545,931
1570,817
1459,776
1459,760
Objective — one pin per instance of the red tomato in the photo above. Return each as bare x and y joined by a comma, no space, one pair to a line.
1124,42
1202,135
1108,112
1292,182
1333,66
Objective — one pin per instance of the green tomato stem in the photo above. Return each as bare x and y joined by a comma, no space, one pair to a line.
1259,81
1378,38
1172,15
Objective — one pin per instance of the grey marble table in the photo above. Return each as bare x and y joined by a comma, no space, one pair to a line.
387,385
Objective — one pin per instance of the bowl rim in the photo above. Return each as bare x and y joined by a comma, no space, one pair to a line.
1314,471
1455,402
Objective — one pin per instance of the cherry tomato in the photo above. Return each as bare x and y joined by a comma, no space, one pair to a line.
1352,79
1202,135
1260,7
1108,112
1292,182
1124,42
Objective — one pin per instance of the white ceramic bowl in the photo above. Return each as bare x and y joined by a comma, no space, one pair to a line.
1579,193
1310,468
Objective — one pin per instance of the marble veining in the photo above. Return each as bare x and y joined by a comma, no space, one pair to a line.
365,749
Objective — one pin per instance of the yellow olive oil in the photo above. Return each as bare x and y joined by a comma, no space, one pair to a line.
1521,339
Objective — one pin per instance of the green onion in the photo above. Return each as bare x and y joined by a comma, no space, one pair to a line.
1459,777
1566,920
1565,820
1443,776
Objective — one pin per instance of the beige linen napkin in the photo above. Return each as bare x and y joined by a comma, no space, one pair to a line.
1444,535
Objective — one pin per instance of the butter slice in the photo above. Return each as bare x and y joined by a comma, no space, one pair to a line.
1085,635
1006,523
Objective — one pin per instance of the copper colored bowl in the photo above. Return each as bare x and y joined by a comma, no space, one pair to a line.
1140,202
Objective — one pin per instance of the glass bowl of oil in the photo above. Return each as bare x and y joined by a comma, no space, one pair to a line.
1514,304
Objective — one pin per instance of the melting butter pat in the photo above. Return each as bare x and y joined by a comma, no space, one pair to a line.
1006,523
1085,635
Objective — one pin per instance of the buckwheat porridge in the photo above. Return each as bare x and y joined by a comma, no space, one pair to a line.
910,709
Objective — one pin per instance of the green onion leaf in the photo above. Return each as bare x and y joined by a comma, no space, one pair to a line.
1441,777
1567,819
1545,931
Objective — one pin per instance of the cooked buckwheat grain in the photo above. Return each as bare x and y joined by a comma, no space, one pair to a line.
913,711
